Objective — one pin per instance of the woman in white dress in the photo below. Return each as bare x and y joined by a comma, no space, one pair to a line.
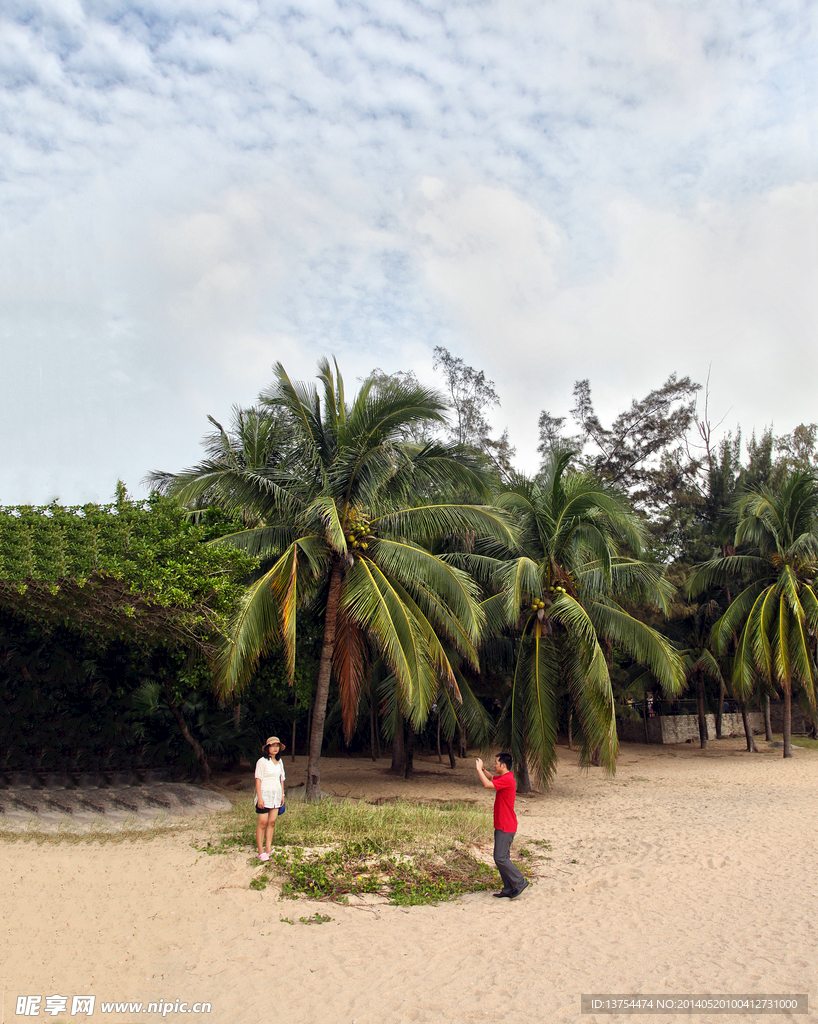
269,794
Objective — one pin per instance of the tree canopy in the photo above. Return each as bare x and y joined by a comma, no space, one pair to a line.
135,570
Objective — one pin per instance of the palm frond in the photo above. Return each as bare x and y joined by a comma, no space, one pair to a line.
417,568
519,579
481,567
266,614
591,694
721,570
726,627
263,542
494,612
641,642
429,522
325,511
372,602
539,679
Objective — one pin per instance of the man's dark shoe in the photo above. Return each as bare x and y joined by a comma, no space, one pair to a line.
519,892
503,892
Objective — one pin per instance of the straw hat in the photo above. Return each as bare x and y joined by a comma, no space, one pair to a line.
273,739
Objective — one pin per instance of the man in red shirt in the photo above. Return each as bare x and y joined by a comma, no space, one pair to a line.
505,823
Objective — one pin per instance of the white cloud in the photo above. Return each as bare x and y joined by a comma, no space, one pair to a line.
194,188
728,285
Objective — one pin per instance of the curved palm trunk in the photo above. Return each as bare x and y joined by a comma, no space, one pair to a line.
748,732
398,764
787,719
409,760
768,725
702,713
523,777
719,710
319,712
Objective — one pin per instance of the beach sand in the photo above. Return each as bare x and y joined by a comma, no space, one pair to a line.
688,872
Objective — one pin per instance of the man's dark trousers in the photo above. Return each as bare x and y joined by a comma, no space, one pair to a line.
513,880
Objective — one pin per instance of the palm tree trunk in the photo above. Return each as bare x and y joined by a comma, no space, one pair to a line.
409,767
398,753
309,713
439,755
372,728
450,751
720,709
768,725
524,777
319,711
702,713
748,732
787,719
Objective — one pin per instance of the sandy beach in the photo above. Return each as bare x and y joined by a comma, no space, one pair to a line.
688,872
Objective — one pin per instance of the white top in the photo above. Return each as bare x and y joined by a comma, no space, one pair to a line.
272,778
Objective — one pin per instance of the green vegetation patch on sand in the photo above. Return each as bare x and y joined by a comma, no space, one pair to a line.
408,852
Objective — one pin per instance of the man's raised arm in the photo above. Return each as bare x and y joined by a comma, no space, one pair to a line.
485,778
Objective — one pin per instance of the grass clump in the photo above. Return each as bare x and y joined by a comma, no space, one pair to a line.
376,828
407,852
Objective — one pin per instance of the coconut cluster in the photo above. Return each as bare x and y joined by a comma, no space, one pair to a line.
358,535
539,605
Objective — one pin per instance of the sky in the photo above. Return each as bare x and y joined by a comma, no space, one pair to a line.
193,190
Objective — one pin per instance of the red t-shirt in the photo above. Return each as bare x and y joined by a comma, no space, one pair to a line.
505,820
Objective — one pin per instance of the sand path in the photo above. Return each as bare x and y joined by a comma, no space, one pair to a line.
686,873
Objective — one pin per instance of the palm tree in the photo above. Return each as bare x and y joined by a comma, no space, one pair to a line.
560,598
699,662
773,621
337,504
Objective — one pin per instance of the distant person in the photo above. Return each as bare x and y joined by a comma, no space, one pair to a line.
269,794
505,824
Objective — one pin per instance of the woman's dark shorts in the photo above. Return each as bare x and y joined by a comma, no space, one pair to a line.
265,810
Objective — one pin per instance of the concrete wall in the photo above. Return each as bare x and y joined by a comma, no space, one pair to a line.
800,724
680,728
